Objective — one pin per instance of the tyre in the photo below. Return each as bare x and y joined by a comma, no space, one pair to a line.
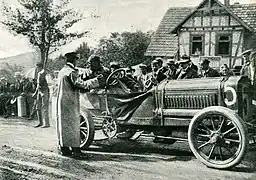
87,131
218,137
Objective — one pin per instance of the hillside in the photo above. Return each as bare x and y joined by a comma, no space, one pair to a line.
27,60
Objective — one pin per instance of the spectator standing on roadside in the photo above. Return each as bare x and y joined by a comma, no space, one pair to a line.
42,96
4,95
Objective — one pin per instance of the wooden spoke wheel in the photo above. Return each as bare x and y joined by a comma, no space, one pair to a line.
218,137
109,127
87,131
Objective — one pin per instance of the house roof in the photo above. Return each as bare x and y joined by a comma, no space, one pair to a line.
247,13
163,43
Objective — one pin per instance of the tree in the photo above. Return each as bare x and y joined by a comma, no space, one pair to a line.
84,52
127,48
44,23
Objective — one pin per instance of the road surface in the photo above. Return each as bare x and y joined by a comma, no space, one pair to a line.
31,153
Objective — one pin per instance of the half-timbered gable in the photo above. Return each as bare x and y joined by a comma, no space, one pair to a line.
212,29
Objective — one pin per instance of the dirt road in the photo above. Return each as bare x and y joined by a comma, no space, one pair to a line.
31,153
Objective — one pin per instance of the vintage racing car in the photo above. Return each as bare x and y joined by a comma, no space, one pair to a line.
215,115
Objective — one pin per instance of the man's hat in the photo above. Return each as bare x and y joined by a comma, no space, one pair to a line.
40,64
184,56
114,64
93,58
16,74
170,61
143,65
3,79
159,60
154,61
184,59
71,55
248,51
205,61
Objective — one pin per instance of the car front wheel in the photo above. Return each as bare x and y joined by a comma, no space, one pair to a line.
87,131
218,137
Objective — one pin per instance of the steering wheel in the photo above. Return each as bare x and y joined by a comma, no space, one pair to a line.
114,76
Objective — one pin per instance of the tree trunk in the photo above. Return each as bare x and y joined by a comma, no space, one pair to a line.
42,52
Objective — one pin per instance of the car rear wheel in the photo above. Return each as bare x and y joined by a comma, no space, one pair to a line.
87,131
218,137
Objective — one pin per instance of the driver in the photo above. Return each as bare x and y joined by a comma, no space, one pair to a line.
126,81
95,69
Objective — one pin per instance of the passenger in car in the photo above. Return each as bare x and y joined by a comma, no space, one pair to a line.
191,64
172,69
143,77
162,68
225,71
207,71
157,74
186,71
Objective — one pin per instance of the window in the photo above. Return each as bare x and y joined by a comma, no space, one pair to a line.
223,45
197,45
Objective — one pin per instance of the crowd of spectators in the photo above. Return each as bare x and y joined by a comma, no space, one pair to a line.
10,91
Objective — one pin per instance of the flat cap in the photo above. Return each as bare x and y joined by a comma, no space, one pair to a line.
143,65
17,74
93,58
159,60
154,61
71,55
114,64
248,51
170,61
39,64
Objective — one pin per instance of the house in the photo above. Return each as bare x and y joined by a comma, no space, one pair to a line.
210,29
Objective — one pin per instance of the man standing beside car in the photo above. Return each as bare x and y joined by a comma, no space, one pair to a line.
68,105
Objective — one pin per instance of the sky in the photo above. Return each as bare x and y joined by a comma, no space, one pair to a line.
114,16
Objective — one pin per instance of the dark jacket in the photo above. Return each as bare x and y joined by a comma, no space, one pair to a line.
193,66
189,73
171,74
211,73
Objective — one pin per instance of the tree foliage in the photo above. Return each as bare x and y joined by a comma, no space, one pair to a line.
128,48
84,52
44,23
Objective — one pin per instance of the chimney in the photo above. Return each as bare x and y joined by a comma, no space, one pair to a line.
227,3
